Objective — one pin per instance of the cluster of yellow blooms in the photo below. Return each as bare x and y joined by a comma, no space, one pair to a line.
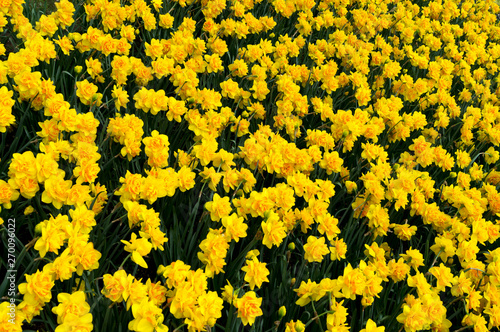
144,299
391,104
79,256
73,312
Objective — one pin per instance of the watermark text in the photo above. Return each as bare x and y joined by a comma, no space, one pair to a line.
11,268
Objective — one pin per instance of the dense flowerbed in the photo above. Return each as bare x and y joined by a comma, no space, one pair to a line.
263,165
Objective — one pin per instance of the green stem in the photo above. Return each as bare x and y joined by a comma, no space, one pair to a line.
455,300
126,259
317,316
177,329
435,259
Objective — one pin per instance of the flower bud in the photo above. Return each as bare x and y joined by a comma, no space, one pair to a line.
282,311
351,186
367,301
299,326
28,210
161,269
